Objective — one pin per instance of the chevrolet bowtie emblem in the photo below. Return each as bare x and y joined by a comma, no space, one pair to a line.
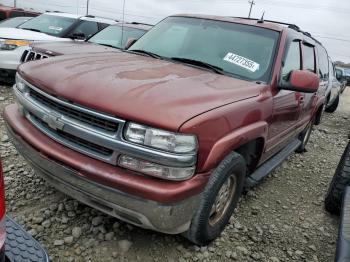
54,121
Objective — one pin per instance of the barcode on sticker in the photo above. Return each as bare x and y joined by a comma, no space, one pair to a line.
242,62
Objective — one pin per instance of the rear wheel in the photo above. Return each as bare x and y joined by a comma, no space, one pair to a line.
333,107
218,200
340,181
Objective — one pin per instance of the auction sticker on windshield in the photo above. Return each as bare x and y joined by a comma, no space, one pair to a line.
242,62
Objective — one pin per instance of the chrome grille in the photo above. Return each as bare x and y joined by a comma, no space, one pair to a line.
77,140
94,121
92,133
31,56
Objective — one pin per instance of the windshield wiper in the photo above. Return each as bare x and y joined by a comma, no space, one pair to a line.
31,29
199,63
146,53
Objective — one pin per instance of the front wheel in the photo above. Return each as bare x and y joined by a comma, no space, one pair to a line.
218,200
340,181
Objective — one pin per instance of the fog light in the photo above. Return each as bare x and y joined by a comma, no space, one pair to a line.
156,170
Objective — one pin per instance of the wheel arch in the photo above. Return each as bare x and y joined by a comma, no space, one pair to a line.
249,141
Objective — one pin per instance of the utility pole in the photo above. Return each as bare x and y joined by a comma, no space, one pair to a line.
251,7
15,3
87,6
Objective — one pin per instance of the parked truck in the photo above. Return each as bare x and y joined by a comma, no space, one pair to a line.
167,134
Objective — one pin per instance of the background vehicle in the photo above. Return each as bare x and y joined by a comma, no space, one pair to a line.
9,12
46,27
347,75
109,39
341,76
14,22
13,237
333,91
166,134
337,198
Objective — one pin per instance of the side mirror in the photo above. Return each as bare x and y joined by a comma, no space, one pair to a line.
78,36
301,80
129,43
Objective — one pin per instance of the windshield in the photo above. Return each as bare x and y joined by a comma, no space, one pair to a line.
14,22
240,50
112,36
49,24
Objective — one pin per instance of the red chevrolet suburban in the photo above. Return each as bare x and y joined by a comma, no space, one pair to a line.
167,134
9,12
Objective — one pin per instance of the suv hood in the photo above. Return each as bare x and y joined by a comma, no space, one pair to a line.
71,47
21,34
138,88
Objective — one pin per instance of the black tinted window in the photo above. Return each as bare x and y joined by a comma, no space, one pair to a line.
309,58
323,63
88,28
2,15
292,61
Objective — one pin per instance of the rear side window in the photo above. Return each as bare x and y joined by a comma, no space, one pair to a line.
88,28
2,16
309,58
323,63
292,60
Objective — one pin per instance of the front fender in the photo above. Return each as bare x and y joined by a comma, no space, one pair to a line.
234,140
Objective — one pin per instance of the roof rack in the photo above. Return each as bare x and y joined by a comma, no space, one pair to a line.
291,26
270,21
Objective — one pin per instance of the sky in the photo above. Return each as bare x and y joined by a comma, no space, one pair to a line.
326,20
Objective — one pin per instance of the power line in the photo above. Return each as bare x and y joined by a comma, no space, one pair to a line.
332,38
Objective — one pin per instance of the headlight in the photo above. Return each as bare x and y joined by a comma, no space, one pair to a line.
159,139
12,44
21,86
156,170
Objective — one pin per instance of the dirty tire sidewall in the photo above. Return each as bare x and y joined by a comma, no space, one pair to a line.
201,232
340,181
304,137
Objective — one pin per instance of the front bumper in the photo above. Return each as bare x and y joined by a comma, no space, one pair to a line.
10,60
171,218
20,246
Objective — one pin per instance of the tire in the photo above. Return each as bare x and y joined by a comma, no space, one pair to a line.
304,137
319,116
208,222
340,181
333,107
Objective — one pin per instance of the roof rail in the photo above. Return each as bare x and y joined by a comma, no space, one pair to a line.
292,26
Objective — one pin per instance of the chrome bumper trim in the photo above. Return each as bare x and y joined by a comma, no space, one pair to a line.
170,219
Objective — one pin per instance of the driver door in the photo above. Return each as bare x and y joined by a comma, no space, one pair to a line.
287,105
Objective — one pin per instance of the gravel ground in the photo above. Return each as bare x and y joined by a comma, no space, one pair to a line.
282,219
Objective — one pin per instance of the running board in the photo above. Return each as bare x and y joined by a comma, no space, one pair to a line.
271,164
